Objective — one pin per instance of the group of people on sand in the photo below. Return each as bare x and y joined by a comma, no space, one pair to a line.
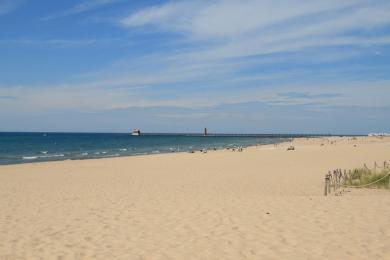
204,150
234,149
238,149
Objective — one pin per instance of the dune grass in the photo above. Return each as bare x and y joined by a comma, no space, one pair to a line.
363,176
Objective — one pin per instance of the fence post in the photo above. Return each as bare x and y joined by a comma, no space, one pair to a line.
340,176
329,176
326,185
339,179
389,180
345,176
349,176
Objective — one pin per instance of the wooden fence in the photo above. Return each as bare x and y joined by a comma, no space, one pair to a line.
338,178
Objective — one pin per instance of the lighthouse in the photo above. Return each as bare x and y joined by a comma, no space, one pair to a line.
205,131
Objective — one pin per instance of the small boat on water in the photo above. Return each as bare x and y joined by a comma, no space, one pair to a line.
136,132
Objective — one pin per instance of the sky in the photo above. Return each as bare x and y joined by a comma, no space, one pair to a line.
233,66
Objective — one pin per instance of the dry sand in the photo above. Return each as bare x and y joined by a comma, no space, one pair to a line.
263,203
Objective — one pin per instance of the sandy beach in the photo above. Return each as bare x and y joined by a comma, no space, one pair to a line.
262,203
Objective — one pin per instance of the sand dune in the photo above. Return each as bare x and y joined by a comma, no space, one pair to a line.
263,203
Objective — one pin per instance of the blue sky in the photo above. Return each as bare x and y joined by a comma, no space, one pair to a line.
248,66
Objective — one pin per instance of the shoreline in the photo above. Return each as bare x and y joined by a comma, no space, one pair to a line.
31,161
188,151
131,156
38,148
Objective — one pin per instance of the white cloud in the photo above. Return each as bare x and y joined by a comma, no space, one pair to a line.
82,7
236,17
170,13
214,31
88,5
236,28
100,97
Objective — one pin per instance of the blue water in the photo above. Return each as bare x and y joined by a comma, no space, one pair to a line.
38,147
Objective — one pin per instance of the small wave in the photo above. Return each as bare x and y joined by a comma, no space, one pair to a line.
44,152
52,155
104,152
84,154
29,157
156,151
123,149
113,155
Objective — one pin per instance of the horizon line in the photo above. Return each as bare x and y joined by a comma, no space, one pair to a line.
186,133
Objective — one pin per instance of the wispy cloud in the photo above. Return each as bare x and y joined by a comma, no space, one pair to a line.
242,28
7,6
208,19
8,97
219,39
63,43
308,95
82,7
101,96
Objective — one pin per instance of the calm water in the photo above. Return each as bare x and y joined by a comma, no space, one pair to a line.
37,147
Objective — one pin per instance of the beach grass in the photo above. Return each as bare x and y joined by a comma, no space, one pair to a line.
364,176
